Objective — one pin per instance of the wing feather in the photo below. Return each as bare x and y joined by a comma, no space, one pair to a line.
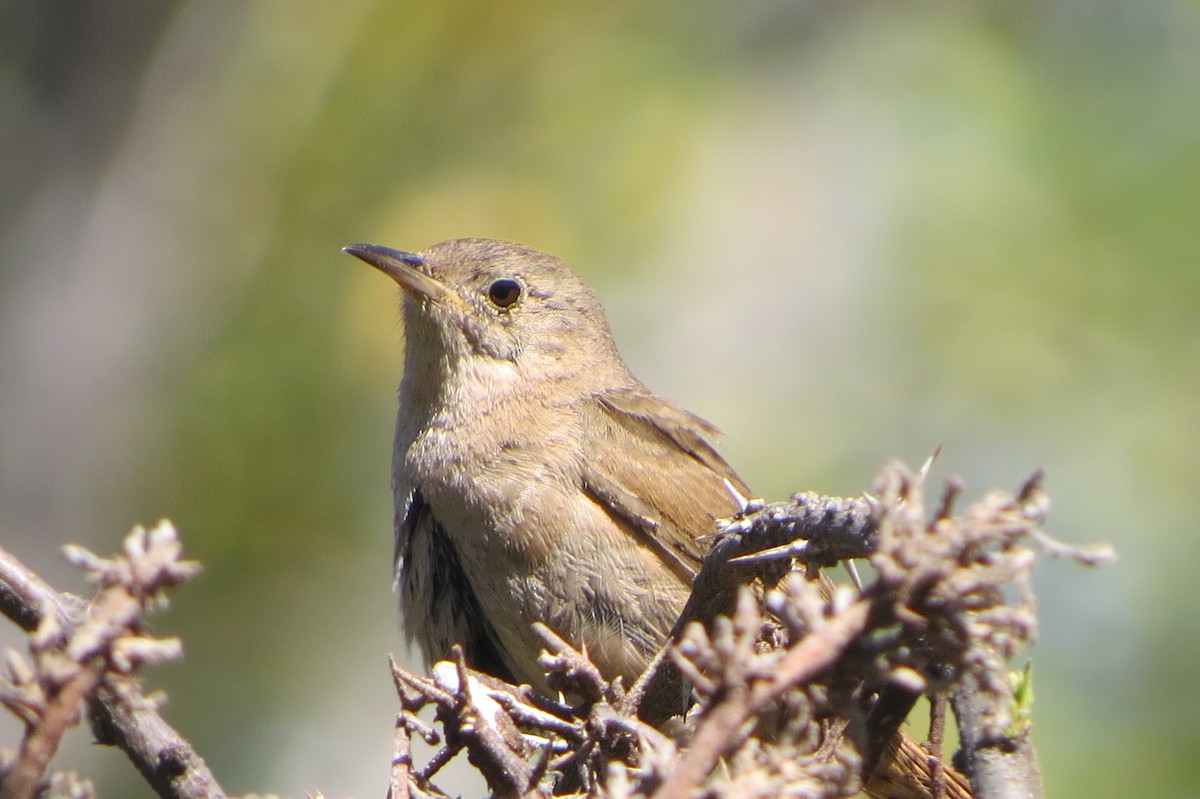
653,468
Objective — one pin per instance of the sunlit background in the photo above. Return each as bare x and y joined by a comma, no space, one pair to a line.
842,231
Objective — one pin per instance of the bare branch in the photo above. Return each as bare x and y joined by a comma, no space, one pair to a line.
723,724
87,656
42,739
812,529
25,598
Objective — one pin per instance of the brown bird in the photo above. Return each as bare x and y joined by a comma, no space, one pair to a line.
535,479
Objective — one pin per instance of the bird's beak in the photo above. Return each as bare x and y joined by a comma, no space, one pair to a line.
403,267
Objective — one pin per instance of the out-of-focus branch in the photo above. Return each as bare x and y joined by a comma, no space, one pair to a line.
1004,766
724,722
993,732
815,530
25,598
91,656
53,716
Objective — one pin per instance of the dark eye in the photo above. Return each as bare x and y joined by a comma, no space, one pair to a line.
504,292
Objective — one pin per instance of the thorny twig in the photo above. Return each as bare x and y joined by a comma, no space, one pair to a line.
91,656
937,730
757,545
747,684
527,746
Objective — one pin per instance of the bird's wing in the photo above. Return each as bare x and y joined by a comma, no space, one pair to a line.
651,466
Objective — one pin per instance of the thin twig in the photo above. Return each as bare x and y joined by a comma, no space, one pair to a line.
937,734
119,713
831,528
24,596
719,728
41,743
401,761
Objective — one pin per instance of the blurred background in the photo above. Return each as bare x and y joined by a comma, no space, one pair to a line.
842,231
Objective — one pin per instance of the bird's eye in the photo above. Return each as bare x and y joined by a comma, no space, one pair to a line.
504,292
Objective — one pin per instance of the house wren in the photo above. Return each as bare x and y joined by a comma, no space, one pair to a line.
535,479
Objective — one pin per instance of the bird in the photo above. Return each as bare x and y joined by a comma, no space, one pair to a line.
534,478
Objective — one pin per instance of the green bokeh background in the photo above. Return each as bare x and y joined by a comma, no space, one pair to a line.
843,231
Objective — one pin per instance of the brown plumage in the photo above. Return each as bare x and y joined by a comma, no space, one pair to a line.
535,478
